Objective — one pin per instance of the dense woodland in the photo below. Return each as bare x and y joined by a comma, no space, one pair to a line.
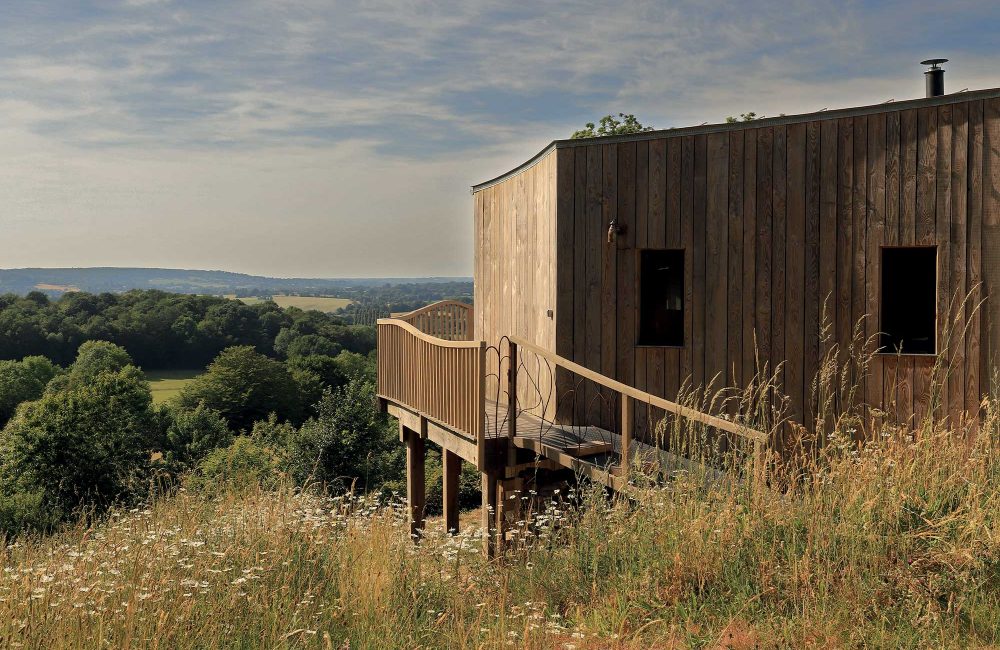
372,302
288,396
164,330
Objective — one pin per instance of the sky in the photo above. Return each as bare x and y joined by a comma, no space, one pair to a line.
308,138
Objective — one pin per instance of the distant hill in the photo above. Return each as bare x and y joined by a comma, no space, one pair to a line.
96,280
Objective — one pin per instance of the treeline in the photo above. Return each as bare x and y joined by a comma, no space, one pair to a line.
116,280
162,330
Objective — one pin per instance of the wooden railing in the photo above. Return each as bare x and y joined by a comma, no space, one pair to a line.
629,398
443,380
447,319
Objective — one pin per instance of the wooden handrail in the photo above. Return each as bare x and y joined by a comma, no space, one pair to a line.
647,398
446,319
442,380
429,338
403,315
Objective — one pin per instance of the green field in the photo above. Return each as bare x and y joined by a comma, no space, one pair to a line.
168,383
319,303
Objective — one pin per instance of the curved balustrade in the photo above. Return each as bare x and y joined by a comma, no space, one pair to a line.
443,380
447,319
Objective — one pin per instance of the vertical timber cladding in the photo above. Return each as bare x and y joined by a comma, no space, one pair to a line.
783,223
515,277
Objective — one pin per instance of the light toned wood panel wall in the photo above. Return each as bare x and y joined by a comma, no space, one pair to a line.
515,275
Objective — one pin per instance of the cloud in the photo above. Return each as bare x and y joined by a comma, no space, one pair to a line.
210,125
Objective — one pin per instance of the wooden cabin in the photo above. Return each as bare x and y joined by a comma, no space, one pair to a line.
610,272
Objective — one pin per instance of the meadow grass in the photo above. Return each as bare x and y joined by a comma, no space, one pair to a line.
166,384
895,544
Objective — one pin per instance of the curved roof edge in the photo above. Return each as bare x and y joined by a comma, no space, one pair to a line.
872,109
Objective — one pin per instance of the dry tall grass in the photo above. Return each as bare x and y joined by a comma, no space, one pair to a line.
895,544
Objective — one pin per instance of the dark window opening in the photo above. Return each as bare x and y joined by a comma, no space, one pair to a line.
661,290
909,296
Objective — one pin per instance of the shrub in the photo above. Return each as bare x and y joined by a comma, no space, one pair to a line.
348,439
88,445
192,435
272,433
26,511
242,464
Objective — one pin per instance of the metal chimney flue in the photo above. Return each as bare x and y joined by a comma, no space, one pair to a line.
934,77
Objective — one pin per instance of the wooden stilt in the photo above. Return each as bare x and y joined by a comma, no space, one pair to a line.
452,469
415,490
500,519
490,512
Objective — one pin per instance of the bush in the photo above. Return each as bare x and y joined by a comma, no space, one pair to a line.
272,433
26,511
348,440
192,435
242,464
89,445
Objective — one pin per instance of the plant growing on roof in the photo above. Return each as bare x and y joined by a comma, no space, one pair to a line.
609,125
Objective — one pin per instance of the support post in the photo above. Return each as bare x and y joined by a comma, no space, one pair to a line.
451,470
511,405
626,449
491,510
512,391
415,487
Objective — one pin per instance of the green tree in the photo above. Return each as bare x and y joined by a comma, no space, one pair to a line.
309,344
22,381
348,441
41,368
95,357
609,125
244,386
192,435
89,445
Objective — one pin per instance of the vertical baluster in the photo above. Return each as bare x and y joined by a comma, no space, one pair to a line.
626,432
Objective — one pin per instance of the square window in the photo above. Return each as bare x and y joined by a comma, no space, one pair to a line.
661,291
909,300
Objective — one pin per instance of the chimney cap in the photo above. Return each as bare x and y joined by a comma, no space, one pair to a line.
933,63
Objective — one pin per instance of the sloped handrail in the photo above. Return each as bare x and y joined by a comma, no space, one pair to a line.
630,394
444,380
446,319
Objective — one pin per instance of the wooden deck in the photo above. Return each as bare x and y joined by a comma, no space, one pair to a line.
437,388
589,451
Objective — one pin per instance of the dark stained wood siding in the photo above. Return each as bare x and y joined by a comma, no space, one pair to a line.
782,227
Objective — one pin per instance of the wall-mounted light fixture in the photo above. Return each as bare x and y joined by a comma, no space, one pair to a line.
615,229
